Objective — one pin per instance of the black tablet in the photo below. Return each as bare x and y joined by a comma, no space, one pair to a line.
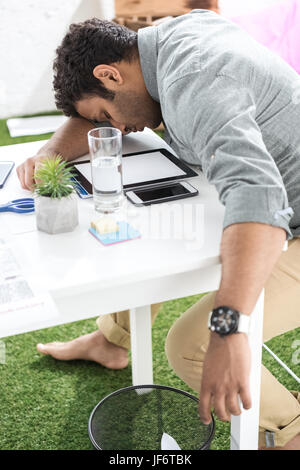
150,167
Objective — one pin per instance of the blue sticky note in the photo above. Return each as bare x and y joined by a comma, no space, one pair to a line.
125,233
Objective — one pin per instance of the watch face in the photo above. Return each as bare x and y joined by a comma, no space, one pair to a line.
224,321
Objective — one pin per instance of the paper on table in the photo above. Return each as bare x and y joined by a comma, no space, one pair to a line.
168,442
36,125
26,313
19,302
142,141
19,223
9,266
14,290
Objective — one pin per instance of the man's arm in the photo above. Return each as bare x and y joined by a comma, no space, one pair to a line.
249,252
70,141
222,128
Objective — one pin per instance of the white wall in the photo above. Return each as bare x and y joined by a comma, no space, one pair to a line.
30,31
231,8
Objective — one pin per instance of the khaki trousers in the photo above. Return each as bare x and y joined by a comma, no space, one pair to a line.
187,343
116,326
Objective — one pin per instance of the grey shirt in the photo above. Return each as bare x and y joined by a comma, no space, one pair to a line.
233,107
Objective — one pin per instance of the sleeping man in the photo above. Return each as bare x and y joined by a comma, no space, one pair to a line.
232,107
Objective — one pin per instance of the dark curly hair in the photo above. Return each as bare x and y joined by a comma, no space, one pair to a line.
85,46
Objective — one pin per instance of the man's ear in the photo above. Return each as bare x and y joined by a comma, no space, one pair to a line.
108,75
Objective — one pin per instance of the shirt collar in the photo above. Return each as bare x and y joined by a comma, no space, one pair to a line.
147,46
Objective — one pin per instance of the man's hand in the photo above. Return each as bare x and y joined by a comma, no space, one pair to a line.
249,252
27,169
70,141
225,376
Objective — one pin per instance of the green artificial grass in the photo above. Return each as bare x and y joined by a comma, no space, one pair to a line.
45,404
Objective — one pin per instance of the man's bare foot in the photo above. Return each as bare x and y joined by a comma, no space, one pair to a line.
293,444
91,347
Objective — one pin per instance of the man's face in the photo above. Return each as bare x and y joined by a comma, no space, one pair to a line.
129,111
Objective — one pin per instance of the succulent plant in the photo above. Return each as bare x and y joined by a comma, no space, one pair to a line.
53,178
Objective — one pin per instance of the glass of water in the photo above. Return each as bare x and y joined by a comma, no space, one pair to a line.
105,145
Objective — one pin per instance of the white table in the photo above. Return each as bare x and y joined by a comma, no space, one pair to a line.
86,279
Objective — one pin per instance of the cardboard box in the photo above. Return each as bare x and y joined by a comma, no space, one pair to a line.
150,8
137,14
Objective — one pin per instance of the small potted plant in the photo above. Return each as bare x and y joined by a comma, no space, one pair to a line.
55,201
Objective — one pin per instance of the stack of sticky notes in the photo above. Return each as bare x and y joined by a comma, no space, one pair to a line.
108,231
105,225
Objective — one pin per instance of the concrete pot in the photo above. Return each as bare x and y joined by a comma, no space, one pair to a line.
55,215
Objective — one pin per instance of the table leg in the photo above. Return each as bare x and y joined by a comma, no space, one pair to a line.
244,428
141,345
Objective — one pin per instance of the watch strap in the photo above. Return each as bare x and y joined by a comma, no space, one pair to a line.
209,318
244,323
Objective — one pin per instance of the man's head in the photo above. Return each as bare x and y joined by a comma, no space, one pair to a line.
97,75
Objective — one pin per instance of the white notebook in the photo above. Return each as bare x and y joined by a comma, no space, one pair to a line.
34,125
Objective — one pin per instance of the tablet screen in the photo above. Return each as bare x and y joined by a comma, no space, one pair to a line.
142,168
150,167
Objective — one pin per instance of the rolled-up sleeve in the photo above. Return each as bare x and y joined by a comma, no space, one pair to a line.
228,141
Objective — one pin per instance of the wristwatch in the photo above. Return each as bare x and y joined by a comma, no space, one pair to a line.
226,321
